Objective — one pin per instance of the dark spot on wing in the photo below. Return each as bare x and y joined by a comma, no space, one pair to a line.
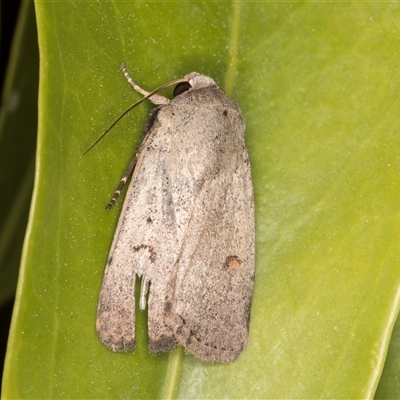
232,262
168,307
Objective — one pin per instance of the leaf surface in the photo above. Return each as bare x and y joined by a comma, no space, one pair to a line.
318,84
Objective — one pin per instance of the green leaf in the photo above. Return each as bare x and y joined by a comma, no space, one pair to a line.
318,84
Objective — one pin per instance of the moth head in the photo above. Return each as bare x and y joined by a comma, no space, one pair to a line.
191,81
194,81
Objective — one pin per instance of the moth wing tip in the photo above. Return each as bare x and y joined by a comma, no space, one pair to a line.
117,344
166,343
213,353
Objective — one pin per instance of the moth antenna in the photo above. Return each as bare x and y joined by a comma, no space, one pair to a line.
133,106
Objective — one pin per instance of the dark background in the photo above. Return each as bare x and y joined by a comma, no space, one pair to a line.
9,15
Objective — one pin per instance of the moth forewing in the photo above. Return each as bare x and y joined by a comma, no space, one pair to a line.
187,228
116,308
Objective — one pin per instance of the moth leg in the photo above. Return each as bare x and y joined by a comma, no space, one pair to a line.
144,288
122,182
155,98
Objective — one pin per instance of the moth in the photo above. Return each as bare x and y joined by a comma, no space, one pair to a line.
186,228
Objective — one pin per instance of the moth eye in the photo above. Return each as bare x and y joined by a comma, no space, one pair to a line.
181,87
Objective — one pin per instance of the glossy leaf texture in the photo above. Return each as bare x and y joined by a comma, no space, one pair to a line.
318,84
